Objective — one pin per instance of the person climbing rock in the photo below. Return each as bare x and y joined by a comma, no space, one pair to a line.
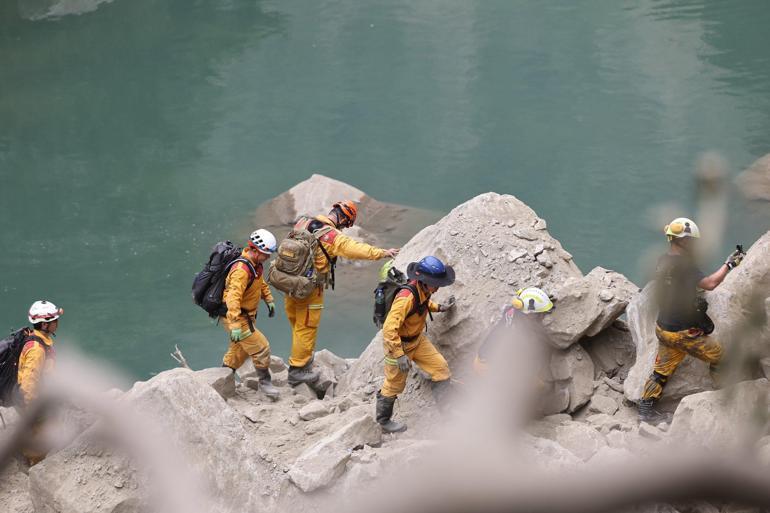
682,326
37,359
405,340
305,314
244,287
525,311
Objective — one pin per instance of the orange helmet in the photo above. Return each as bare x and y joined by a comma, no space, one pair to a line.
348,209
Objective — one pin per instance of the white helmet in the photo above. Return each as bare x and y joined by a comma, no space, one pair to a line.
263,241
532,300
682,227
43,311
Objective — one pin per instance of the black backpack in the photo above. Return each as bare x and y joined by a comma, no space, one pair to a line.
386,292
10,351
209,284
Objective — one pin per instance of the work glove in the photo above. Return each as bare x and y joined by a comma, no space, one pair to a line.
271,310
403,363
735,259
449,304
237,334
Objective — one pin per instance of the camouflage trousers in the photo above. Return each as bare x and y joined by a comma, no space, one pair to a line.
673,346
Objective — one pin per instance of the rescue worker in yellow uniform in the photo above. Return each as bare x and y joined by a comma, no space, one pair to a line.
37,359
305,314
244,288
525,311
404,337
682,325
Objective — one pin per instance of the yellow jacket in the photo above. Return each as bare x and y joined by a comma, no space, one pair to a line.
400,324
239,295
34,361
339,245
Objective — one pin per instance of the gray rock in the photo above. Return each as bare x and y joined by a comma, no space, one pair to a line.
754,182
547,454
277,364
14,490
325,461
575,369
582,440
581,312
605,423
305,391
83,476
314,410
221,379
651,432
337,364
603,404
725,418
252,383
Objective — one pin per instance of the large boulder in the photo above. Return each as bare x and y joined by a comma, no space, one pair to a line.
377,223
221,379
497,245
755,181
587,305
738,307
325,461
580,439
191,418
729,418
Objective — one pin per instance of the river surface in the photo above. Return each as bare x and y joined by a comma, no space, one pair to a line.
138,133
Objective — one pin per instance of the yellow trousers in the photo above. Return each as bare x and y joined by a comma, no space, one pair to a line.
422,352
304,317
673,346
255,346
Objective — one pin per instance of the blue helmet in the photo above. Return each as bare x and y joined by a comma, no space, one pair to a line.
431,271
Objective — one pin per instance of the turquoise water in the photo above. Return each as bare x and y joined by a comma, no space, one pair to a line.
135,136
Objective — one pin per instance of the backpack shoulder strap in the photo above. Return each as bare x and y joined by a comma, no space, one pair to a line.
30,340
252,272
416,305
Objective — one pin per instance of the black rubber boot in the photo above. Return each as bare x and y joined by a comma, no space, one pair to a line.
442,391
384,411
648,413
266,384
304,374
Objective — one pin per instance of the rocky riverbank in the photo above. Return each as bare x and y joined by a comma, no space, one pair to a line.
314,450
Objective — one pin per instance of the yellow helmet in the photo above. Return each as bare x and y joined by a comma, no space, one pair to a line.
682,227
532,300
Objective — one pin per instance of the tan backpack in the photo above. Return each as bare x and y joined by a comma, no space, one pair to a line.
293,270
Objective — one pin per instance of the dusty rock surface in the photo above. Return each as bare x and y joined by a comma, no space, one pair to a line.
724,418
13,490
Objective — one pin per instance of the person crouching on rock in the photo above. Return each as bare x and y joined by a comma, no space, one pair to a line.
682,326
244,287
524,312
405,340
37,359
